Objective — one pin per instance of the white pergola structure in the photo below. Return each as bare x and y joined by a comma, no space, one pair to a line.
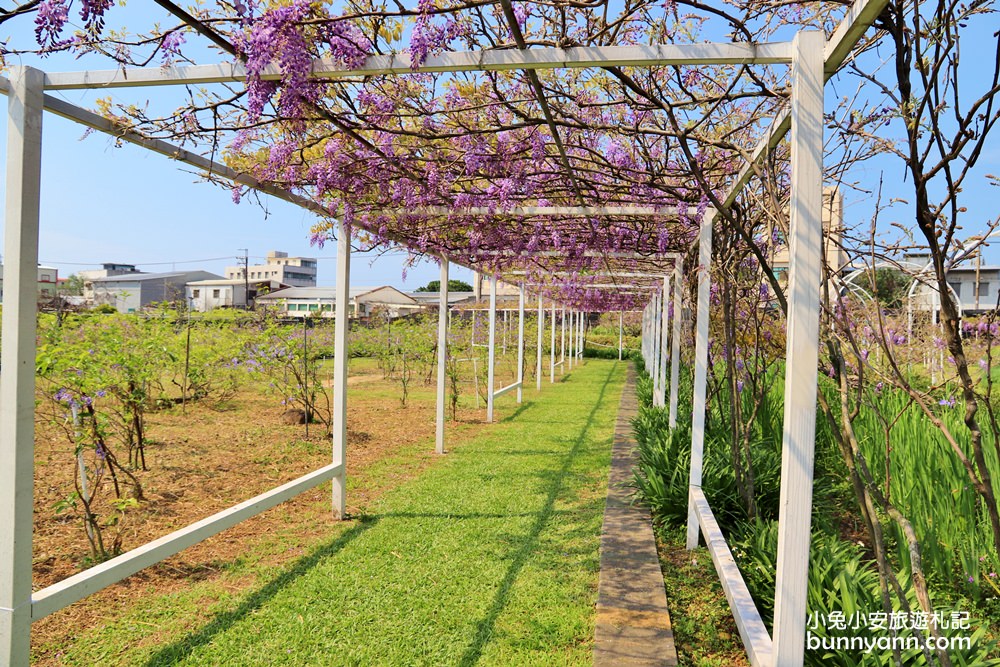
812,59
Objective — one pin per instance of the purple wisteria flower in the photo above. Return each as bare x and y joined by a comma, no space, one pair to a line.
170,46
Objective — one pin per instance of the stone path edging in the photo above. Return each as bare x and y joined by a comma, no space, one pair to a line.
633,624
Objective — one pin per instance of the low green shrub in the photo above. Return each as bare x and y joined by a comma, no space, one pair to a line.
842,583
607,353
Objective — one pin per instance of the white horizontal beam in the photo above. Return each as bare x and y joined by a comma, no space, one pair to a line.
596,273
568,211
587,253
624,288
100,123
752,630
775,133
501,392
849,32
457,61
69,590
94,121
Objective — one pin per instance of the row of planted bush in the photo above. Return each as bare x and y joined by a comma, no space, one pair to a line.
843,578
99,375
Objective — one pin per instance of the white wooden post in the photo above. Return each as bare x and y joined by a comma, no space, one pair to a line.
340,329
700,372
562,341
442,353
552,347
576,337
569,342
665,307
541,340
645,336
583,337
650,308
520,344
657,315
675,346
17,382
490,368
621,324
579,337
801,350
578,317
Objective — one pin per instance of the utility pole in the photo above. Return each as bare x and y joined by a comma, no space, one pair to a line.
245,258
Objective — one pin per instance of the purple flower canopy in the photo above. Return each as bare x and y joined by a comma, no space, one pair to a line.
446,162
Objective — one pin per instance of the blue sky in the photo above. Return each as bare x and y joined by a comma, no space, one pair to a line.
102,202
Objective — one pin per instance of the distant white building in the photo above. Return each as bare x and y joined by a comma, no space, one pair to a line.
131,292
294,271
206,295
976,285
481,286
48,279
431,300
321,302
107,269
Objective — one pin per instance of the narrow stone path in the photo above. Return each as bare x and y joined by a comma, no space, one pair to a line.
633,624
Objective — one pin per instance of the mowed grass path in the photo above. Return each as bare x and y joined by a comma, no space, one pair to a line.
490,556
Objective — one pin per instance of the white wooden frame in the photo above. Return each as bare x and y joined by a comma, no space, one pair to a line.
812,60
17,381
491,358
675,346
552,347
540,319
461,61
442,357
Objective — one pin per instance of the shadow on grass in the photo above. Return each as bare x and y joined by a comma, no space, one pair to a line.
521,409
529,542
180,649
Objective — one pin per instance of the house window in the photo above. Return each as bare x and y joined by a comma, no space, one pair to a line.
313,306
984,290
215,294
196,293
957,288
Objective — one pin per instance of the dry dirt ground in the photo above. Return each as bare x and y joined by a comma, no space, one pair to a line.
210,457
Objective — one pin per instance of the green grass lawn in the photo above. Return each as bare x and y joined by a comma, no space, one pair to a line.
490,556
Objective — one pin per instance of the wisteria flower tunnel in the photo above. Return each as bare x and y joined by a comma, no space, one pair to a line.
603,157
